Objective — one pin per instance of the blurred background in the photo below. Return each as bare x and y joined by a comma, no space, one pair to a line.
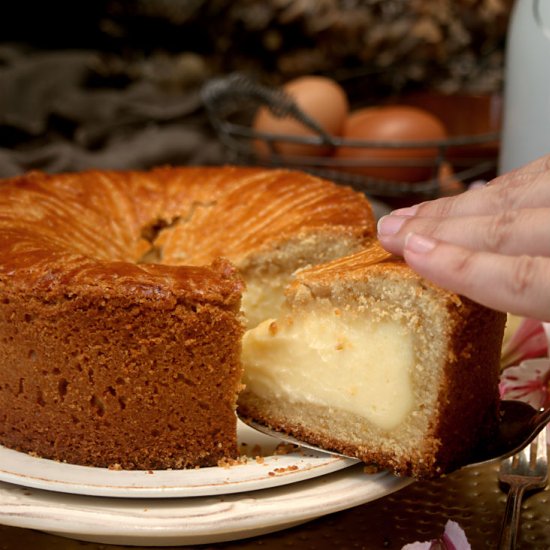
120,84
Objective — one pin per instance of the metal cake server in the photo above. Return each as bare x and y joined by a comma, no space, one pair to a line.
518,425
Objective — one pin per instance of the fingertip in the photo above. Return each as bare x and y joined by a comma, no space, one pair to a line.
389,225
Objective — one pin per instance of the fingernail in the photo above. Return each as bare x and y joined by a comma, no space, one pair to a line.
408,211
419,243
390,225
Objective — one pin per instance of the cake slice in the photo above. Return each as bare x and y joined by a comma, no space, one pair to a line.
371,360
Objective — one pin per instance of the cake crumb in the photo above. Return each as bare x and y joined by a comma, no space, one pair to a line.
251,452
371,469
291,468
115,466
273,328
230,462
257,450
285,448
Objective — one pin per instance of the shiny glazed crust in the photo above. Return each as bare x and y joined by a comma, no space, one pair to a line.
457,350
120,328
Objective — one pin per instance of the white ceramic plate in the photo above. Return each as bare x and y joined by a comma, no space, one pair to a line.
202,520
271,471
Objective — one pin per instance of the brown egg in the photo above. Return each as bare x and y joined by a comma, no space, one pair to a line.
395,123
323,99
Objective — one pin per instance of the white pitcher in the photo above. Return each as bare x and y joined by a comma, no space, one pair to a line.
526,117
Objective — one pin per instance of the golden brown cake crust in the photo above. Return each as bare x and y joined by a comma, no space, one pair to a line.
120,328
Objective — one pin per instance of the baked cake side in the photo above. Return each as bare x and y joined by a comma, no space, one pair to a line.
373,361
99,376
119,327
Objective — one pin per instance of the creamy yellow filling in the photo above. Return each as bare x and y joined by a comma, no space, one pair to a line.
339,360
263,301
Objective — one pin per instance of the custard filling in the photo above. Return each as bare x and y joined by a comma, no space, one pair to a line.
263,300
341,360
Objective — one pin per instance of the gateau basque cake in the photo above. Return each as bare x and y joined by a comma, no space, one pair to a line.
120,326
125,297
370,360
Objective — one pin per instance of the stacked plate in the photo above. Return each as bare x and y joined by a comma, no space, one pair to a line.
272,488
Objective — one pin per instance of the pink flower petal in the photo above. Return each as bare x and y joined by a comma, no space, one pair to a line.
529,341
527,382
453,538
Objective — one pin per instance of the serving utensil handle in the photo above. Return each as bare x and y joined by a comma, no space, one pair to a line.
510,522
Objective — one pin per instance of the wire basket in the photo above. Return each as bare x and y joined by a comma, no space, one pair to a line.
232,100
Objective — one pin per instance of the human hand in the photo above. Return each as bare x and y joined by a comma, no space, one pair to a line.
491,244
